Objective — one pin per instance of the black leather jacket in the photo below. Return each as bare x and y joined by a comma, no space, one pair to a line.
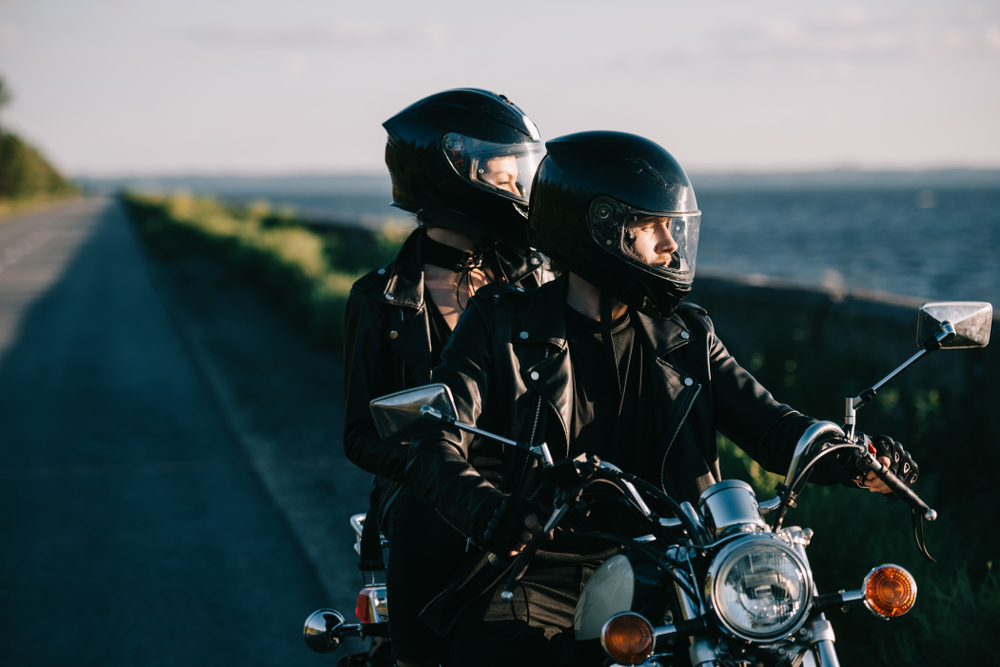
509,369
387,348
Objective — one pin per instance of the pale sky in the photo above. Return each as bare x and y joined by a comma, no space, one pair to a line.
118,87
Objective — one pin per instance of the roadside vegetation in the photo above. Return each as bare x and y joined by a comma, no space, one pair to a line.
949,428
307,268
27,179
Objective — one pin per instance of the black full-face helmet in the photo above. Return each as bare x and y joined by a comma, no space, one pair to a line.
619,211
464,159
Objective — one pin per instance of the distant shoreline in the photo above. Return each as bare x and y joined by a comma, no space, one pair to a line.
240,186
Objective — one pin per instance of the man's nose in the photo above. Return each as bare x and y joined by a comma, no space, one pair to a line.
665,243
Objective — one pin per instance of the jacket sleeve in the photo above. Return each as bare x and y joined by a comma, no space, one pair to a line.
368,373
438,470
748,414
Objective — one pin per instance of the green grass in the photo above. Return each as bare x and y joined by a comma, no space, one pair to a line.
307,270
957,613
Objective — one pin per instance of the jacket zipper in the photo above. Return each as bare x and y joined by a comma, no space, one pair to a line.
688,404
534,430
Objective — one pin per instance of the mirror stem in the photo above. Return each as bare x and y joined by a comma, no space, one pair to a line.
853,403
541,451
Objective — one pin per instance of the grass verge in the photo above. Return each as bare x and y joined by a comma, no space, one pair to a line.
307,268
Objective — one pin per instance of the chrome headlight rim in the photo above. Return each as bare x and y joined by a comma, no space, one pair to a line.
731,553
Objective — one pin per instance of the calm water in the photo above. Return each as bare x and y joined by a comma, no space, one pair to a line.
931,244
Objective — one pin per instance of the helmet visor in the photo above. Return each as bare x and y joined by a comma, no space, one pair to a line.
662,243
665,242
506,169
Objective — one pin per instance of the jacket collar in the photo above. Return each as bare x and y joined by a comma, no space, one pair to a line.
663,336
545,318
405,286
545,322
515,266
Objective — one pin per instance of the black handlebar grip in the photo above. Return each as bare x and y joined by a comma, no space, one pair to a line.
521,564
904,492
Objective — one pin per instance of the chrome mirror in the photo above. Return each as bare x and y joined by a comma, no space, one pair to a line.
972,321
321,628
398,417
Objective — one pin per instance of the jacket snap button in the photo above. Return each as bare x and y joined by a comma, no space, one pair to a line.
685,335
393,335
688,382
524,335
534,375
388,297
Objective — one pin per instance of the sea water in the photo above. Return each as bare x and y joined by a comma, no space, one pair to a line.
925,243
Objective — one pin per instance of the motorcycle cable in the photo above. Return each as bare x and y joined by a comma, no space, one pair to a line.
660,561
658,531
674,505
790,494
654,518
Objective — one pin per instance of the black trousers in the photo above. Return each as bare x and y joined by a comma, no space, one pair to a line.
424,552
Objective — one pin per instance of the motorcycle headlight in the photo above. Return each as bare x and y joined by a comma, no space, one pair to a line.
760,588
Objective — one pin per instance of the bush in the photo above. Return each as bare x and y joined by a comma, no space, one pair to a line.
307,268
25,174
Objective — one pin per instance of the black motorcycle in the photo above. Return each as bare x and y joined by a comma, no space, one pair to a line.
713,585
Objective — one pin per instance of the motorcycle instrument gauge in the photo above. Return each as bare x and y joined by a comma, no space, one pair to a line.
759,588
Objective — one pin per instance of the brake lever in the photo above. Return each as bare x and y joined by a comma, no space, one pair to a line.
918,508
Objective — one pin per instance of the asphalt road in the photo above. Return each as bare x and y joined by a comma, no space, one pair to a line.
133,528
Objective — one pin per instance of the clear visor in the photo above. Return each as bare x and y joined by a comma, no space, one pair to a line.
506,169
665,242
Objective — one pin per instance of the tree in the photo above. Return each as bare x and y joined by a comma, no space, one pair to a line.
5,96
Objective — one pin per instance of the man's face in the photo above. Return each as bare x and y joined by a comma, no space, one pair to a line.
502,173
648,239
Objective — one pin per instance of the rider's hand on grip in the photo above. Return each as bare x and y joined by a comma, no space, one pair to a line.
507,531
901,463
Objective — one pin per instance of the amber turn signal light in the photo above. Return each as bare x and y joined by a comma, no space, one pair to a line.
890,591
627,638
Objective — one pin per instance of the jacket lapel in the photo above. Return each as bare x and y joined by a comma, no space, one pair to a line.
544,328
408,328
674,388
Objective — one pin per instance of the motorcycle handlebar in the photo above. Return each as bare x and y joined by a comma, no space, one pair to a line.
903,492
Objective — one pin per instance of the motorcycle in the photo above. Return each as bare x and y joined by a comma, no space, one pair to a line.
710,586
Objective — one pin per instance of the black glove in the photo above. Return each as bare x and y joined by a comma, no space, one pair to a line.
902,464
504,531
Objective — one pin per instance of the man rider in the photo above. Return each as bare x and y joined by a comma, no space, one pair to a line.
605,360
462,161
